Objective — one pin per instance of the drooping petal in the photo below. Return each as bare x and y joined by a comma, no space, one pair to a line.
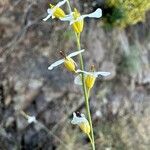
78,80
75,53
47,17
104,74
78,120
95,14
55,64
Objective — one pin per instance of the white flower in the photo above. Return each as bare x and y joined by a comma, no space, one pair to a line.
81,121
52,10
78,118
31,119
70,17
93,74
59,62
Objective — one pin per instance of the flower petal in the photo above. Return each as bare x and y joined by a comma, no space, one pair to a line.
78,80
78,120
95,74
75,53
104,74
55,64
47,17
95,14
49,11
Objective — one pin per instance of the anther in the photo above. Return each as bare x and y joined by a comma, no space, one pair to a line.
62,53
78,114
92,68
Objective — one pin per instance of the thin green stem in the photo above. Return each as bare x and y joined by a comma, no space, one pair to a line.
90,138
85,92
68,3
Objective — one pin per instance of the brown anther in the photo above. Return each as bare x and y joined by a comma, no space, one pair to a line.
62,53
78,114
92,68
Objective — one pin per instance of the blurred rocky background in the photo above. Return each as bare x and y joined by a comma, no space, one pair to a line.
120,104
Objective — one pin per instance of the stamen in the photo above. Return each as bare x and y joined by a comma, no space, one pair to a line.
92,68
78,114
62,53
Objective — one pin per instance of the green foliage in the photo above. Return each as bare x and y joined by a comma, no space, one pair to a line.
127,12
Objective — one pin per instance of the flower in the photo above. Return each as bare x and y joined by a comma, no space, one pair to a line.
76,17
69,63
81,121
90,77
55,11
31,119
78,25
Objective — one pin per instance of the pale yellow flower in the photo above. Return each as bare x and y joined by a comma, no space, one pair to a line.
77,20
68,62
55,11
81,121
90,77
77,26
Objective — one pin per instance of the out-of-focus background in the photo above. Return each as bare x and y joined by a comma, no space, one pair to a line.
119,42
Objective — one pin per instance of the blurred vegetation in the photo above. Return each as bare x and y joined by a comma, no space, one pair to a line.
126,12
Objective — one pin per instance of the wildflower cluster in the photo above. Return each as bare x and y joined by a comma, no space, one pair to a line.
82,77
128,12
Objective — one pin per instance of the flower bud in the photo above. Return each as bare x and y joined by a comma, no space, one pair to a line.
78,25
81,121
58,12
89,81
85,127
69,64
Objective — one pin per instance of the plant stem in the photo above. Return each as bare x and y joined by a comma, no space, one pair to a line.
90,138
68,3
86,93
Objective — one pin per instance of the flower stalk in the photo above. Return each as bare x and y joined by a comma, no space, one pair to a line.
85,92
87,79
